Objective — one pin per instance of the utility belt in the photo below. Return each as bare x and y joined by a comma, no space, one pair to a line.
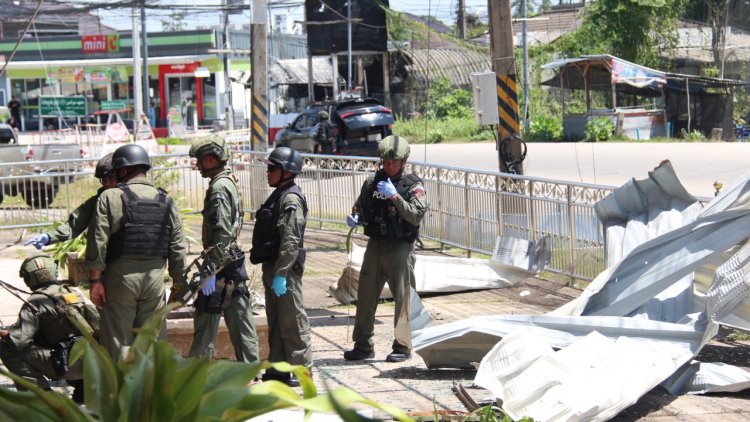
220,300
59,355
231,281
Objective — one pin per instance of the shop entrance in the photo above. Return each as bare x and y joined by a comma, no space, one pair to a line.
181,97
180,92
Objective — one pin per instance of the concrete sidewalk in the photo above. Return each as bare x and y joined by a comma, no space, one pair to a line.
410,385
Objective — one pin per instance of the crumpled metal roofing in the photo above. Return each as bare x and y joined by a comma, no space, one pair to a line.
457,65
294,72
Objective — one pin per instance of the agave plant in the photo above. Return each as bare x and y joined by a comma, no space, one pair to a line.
155,383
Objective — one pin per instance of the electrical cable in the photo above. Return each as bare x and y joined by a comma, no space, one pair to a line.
23,35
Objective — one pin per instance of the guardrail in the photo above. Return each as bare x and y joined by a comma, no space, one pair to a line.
468,208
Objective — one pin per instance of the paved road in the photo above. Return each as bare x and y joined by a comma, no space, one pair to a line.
697,164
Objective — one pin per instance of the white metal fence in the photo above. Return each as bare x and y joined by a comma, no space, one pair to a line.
468,208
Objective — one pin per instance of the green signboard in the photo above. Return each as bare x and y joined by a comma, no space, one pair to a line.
62,106
113,105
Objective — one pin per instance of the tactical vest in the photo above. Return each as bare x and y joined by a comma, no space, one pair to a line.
55,327
146,226
381,219
266,239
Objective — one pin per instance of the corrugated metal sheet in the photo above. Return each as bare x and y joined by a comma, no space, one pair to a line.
294,72
456,65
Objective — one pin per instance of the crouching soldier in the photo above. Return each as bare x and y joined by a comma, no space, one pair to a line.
36,347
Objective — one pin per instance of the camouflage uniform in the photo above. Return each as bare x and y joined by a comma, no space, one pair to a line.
28,348
220,210
134,283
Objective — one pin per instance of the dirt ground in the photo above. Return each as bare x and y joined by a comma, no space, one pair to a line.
416,389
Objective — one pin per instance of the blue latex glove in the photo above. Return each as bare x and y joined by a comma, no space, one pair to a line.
385,187
210,285
39,241
279,285
352,220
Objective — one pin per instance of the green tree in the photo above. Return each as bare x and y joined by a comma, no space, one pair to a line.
635,30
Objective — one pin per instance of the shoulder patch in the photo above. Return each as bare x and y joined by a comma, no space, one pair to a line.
418,191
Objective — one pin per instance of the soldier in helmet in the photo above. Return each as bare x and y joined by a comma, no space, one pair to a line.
79,219
325,139
36,347
134,236
226,291
390,206
278,238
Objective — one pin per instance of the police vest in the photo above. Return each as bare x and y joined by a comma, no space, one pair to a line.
381,219
146,226
55,325
266,239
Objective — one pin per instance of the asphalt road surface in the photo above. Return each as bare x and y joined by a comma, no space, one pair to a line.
698,164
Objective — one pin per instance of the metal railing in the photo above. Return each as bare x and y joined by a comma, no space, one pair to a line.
468,208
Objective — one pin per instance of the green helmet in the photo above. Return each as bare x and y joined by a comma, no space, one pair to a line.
393,147
210,144
38,270
323,114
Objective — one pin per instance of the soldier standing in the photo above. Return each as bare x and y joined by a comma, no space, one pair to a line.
36,347
226,291
79,219
278,243
136,231
390,206
325,139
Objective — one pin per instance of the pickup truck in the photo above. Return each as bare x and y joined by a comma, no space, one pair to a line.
25,170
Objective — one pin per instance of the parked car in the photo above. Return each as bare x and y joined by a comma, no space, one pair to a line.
8,134
359,125
23,171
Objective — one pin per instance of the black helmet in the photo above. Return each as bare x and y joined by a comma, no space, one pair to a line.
130,155
286,158
104,167
38,270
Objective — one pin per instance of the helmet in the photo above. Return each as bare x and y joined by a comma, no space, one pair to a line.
393,147
104,167
130,155
37,270
210,144
323,114
286,158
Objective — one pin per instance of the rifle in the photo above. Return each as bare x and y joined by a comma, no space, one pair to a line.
199,270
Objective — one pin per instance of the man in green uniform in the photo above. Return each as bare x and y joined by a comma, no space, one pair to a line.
135,232
226,291
278,238
36,347
79,219
390,206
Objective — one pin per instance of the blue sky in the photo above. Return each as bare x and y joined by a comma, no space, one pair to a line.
122,19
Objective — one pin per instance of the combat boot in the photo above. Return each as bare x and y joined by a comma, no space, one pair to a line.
398,356
359,353
77,391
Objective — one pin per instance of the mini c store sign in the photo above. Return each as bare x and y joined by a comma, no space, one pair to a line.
100,43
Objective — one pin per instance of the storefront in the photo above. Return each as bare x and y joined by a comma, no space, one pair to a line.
183,75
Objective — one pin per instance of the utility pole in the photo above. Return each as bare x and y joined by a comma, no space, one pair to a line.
225,59
461,21
349,45
504,66
525,116
137,102
144,33
258,54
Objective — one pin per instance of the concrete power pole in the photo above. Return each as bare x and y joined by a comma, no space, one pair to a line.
258,54
461,21
504,66
137,89
225,59
144,36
